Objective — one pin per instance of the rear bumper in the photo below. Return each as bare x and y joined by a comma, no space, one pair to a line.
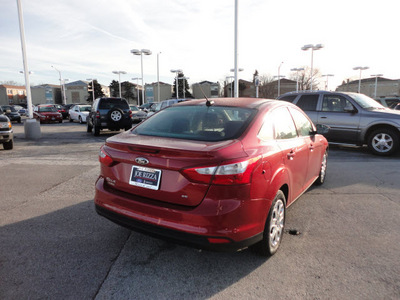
218,225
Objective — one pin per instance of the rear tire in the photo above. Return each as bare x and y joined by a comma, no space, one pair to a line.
273,230
88,127
96,130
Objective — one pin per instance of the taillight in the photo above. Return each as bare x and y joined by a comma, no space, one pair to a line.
105,158
97,114
235,172
130,113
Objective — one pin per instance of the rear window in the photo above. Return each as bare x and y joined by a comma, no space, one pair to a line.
202,123
113,103
308,102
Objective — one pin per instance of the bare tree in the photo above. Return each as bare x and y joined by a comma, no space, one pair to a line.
266,89
304,79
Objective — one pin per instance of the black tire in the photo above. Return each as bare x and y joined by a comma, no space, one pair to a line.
60,121
8,145
274,226
322,173
96,130
70,119
80,120
115,115
19,120
384,141
88,127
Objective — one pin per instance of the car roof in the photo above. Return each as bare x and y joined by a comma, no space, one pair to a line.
316,92
234,102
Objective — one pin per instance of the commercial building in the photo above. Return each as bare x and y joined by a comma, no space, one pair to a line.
385,88
205,89
151,92
12,94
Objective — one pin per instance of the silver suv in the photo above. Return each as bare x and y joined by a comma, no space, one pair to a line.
353,119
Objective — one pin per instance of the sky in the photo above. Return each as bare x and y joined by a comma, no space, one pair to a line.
91,38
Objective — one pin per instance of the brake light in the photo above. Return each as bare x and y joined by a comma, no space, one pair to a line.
130,113
105,158
236,172
97,114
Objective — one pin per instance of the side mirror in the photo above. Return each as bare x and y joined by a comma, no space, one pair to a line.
322,129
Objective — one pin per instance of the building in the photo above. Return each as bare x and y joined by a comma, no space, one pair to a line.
46,94
246,89
77,91
385,88
151,92
12,94
204,89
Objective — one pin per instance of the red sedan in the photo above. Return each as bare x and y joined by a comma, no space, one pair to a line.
214,174
47,114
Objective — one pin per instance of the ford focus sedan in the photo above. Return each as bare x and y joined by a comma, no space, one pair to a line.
214,175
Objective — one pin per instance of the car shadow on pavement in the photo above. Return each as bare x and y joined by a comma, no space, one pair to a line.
73,253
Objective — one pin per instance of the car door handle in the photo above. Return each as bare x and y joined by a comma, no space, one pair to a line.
291,154
324,117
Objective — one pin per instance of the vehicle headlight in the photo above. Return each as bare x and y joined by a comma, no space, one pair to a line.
5,125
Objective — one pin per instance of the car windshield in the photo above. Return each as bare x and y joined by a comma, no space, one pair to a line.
47,109
85,108
11,108
366,102
113,103
201,123
134,108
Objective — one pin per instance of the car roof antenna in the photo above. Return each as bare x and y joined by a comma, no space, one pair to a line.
208,102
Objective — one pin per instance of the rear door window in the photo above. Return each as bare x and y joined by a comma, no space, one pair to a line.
308,102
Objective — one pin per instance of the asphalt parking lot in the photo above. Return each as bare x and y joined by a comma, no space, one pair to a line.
54,246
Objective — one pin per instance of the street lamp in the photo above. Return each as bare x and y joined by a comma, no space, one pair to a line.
119,80
62,84
137,86
176,71
279,79
141,52
92,80
359,80
312,47
376,82
327,78
158,76
236,80
297,70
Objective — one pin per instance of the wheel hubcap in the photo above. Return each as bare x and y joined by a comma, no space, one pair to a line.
116,116
382,142
277,222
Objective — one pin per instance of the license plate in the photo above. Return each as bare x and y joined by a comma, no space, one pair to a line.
53,119
145,177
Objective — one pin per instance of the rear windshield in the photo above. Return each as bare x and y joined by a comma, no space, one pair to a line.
202,123
47,109
113,103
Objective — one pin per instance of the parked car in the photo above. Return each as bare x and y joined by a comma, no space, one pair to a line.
137,114
109,113
61,110
47,114
6,132
389,102
215,174
353,119
11,113
21,110
146,106
163,104
79,113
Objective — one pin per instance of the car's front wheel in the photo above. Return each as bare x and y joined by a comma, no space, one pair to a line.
8,145
80,120
273,230
384,141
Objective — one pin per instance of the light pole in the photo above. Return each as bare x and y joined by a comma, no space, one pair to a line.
236,94
119,80
62,86
137,86
376,83
158,76
230,79
236,80
183,84
92,80
359,80
279,79
176,71
312,47
141,52
297,70
327,78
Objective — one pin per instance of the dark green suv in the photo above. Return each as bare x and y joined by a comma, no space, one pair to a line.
109,113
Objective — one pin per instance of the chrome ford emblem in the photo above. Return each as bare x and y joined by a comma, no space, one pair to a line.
141,161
